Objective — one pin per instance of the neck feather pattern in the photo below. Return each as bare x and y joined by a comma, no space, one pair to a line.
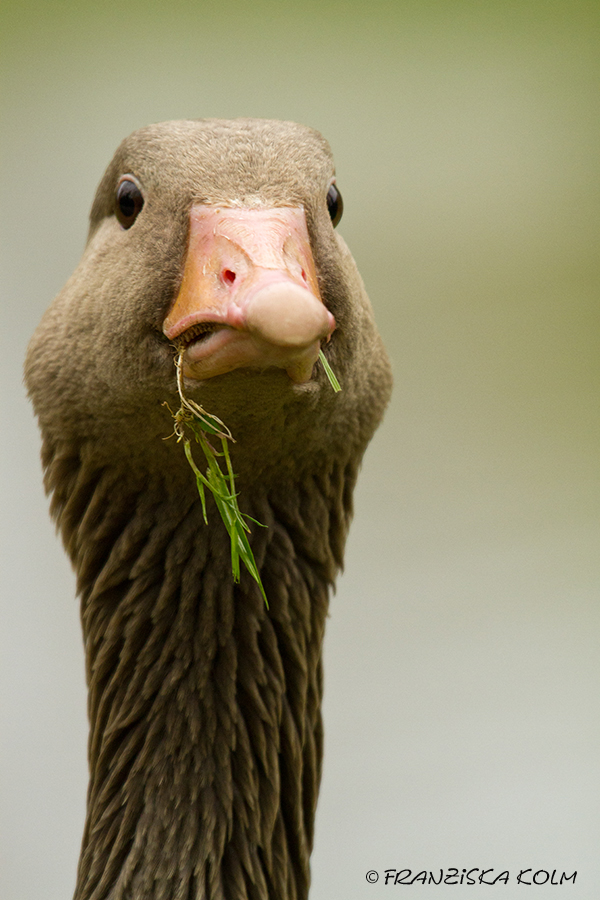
205,728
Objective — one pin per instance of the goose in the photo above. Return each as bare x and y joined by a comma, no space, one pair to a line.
215,238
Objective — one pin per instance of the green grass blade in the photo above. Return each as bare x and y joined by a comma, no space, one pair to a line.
330,373
220,484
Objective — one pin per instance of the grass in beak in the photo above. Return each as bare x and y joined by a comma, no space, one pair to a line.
221,484
329,372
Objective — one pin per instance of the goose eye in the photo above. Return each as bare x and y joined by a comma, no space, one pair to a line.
129,202
335,204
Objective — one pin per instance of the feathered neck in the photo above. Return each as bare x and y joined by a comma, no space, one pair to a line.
205,728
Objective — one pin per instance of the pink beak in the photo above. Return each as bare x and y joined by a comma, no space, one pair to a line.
249,294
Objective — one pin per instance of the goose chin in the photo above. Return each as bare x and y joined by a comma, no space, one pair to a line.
227,349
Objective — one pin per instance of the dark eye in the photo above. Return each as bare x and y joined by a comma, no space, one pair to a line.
129,202
335,204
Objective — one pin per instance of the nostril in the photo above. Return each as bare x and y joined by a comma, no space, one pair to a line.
228,276
304,276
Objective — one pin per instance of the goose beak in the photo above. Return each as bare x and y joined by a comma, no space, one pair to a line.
249,294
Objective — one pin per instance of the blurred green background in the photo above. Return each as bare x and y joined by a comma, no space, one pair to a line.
462,672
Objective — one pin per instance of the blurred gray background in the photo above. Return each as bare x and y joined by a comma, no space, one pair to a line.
461,704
